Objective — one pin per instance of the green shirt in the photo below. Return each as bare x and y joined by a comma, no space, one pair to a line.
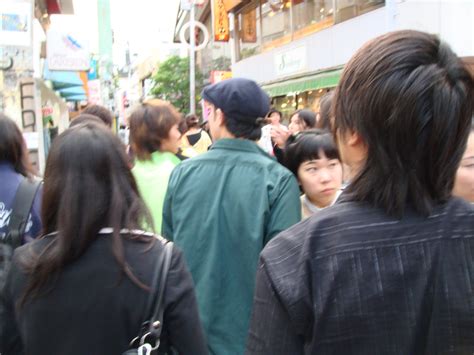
221,208
152,179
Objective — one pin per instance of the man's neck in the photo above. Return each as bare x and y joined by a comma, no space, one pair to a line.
224,133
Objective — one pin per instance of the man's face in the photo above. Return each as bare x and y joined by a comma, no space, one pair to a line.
464,183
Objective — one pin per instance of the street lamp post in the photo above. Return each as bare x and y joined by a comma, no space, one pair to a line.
192,60
193,47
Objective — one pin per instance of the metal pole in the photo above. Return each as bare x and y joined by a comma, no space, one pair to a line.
192,60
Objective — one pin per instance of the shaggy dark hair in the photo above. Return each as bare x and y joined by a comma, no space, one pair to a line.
410,99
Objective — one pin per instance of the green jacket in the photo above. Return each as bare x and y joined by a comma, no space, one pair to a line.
221,208
152,179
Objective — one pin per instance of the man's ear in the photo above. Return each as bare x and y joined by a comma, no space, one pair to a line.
355,141
220,117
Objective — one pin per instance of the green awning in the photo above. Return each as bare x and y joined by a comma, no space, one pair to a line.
321,80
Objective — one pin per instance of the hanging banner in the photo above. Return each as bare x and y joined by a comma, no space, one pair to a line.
94,94
221,21
15,23
66,52
249,27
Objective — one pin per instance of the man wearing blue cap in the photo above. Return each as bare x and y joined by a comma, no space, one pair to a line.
222,207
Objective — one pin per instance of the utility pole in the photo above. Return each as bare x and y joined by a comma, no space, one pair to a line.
192,61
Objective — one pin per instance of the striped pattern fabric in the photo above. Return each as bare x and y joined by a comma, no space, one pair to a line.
351,280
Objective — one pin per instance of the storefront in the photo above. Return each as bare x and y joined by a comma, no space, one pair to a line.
302,91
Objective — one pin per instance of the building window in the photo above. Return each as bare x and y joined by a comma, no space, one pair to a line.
312,15
276,22
266,24
347,9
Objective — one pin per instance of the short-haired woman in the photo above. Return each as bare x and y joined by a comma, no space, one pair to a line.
314,159
155,140
84,286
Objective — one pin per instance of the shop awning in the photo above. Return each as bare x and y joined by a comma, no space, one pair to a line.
62,79
72,91
321,80
76,98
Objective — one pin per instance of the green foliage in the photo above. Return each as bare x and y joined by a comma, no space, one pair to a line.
171,83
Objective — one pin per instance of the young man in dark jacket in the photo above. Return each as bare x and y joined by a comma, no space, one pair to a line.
389,268
223,206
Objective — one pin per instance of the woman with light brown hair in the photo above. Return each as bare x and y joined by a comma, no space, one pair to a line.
155,140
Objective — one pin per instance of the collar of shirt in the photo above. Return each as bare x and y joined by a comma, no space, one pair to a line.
158,158
313,208
238,144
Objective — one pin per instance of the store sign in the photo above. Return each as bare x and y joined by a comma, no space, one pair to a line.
66,51
230,4
249,27
15,23
217,76
220,21
291,61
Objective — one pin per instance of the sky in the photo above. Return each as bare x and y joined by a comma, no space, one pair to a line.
143,24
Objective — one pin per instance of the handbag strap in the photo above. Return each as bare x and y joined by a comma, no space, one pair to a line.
156,324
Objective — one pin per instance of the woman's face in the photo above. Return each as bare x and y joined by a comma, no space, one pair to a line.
274,118
464,183
172,142
296,124
320,179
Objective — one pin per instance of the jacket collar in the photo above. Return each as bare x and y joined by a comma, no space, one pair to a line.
238,144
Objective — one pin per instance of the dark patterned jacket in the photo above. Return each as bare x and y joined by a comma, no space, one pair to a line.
351,280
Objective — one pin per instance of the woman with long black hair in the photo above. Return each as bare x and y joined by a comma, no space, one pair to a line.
83,287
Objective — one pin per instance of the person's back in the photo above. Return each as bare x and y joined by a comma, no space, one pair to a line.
388,269
393,287
14,168
84,287
222,207
92,309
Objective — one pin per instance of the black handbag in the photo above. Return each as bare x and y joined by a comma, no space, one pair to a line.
148,339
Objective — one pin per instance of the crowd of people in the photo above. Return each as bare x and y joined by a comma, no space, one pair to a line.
351,231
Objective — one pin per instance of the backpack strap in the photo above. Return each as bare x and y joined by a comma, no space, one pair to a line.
22,204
